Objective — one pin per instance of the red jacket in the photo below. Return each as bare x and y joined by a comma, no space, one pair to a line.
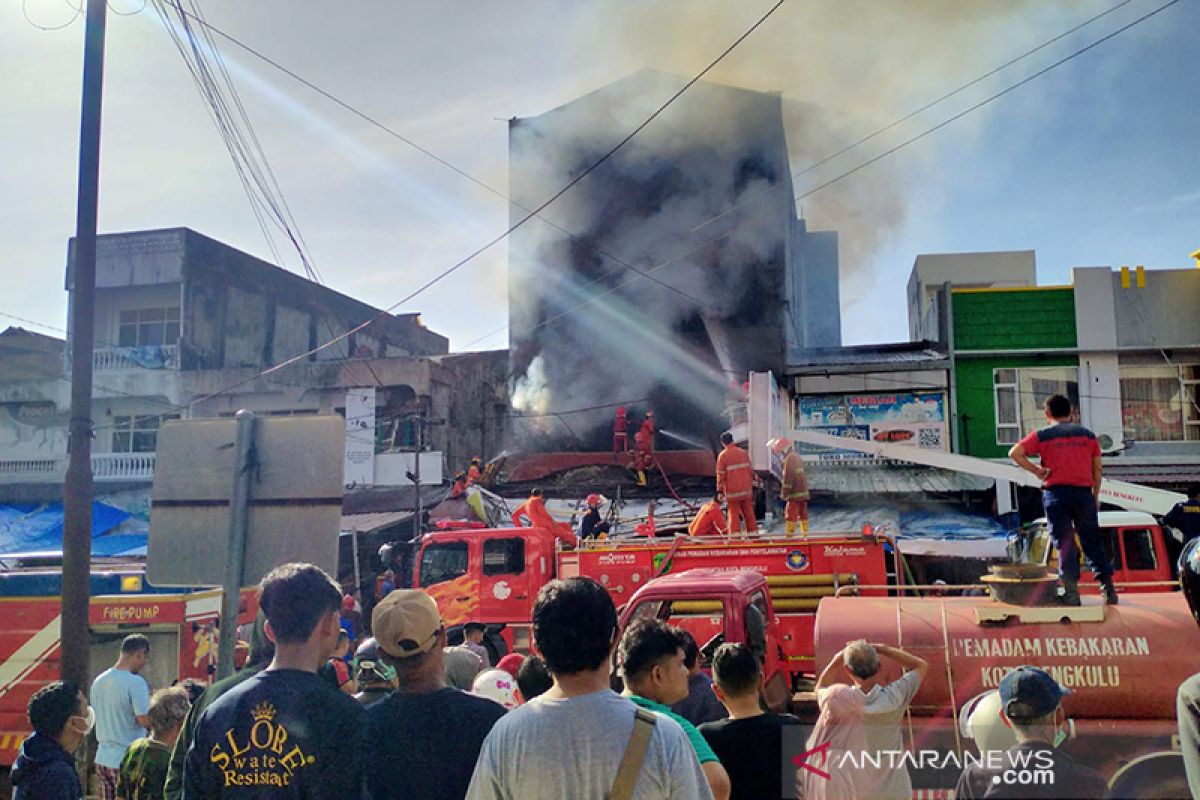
734,478
534,509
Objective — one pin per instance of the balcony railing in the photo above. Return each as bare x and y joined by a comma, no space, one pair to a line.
145,357
106,467
123,466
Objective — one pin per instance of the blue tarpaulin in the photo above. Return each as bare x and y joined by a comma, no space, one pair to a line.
38,528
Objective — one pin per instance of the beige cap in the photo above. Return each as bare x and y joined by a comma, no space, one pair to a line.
406,623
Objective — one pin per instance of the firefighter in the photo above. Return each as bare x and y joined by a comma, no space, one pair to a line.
535,511
709,520
459,487
620,431
735,483
473,472
590,524
794,490
644,443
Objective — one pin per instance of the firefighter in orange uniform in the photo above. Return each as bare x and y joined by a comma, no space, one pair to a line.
644,443
620,431
473,471
794,490
736,482
534,509
709,520
459,487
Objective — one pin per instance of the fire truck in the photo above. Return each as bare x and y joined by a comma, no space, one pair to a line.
181,626
493,575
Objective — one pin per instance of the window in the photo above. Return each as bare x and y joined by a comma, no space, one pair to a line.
1020,393
137,434
504,556
443,562
149,326
1008,415
1139,549
1108,538
1159,403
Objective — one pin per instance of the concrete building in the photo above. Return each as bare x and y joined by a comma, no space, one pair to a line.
185,326
1002,270
674,267
1123,344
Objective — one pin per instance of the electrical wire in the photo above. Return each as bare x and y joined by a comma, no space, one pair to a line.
839,177
49,28
515,226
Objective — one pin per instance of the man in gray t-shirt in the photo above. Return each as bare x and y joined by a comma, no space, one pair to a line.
121,699
569,742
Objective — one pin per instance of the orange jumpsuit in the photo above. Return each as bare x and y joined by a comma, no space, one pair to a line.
534,510
620,432
473,474
458,489
795,493
643,441
709,520
736,481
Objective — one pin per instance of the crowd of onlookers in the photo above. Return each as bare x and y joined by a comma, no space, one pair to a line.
406,715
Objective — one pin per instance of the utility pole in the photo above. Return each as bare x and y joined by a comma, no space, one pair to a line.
417,473
244,463
77,488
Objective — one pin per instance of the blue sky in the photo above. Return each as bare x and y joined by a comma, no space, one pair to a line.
1092,164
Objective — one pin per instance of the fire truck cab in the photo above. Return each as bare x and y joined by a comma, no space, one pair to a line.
718,606
1135,543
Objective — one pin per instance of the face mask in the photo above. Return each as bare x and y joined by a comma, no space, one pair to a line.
1063,732
89,721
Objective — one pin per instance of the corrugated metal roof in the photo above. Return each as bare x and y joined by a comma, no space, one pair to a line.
369,523
903,354
1173,474
876,477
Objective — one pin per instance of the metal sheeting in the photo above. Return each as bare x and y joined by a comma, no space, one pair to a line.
376,521
890,478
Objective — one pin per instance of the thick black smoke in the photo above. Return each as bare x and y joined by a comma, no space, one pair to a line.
665,203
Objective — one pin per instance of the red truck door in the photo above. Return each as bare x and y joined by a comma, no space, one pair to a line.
1138,555
514,567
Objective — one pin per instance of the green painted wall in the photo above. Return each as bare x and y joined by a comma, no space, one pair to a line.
1008,320
977,399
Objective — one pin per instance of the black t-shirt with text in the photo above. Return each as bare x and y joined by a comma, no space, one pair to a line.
426,745
281,734
751,750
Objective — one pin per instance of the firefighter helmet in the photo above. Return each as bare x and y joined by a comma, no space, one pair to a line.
594,500
1189,576
779,445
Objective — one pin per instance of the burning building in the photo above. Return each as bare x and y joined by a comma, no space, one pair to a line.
669,272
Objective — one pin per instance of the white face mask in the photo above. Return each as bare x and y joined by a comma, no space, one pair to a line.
89,721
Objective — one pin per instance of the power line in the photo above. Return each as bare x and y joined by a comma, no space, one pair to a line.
533,213
429,153
843,175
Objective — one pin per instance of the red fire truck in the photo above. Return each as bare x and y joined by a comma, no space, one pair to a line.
181,626
493,575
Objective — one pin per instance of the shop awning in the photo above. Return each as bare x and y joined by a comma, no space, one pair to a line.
369,523
876,477
1177,473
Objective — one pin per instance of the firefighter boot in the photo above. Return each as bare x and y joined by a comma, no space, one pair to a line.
641,478
804,526
1109,591
789,527
1070,594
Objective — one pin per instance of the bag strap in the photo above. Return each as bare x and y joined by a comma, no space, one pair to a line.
635,754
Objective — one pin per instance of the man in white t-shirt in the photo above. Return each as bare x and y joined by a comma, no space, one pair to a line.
121,700
570,741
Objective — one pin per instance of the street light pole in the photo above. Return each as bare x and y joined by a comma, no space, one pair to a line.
77,487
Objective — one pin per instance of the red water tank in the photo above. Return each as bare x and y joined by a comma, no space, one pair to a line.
1127,664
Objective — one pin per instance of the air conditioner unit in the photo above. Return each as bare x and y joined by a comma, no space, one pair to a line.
1111,441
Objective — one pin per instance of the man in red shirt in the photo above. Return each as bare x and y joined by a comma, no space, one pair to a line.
1070,472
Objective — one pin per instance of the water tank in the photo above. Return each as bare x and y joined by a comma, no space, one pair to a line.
1122,662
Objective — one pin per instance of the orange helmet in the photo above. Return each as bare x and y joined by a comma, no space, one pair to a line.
779,445
594,500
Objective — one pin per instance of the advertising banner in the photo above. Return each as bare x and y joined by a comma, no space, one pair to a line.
905,418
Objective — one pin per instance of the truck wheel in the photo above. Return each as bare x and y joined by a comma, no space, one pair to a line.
1158,775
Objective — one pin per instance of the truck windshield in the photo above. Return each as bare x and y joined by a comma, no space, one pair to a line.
443,562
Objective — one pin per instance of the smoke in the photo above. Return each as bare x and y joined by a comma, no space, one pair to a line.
822,75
